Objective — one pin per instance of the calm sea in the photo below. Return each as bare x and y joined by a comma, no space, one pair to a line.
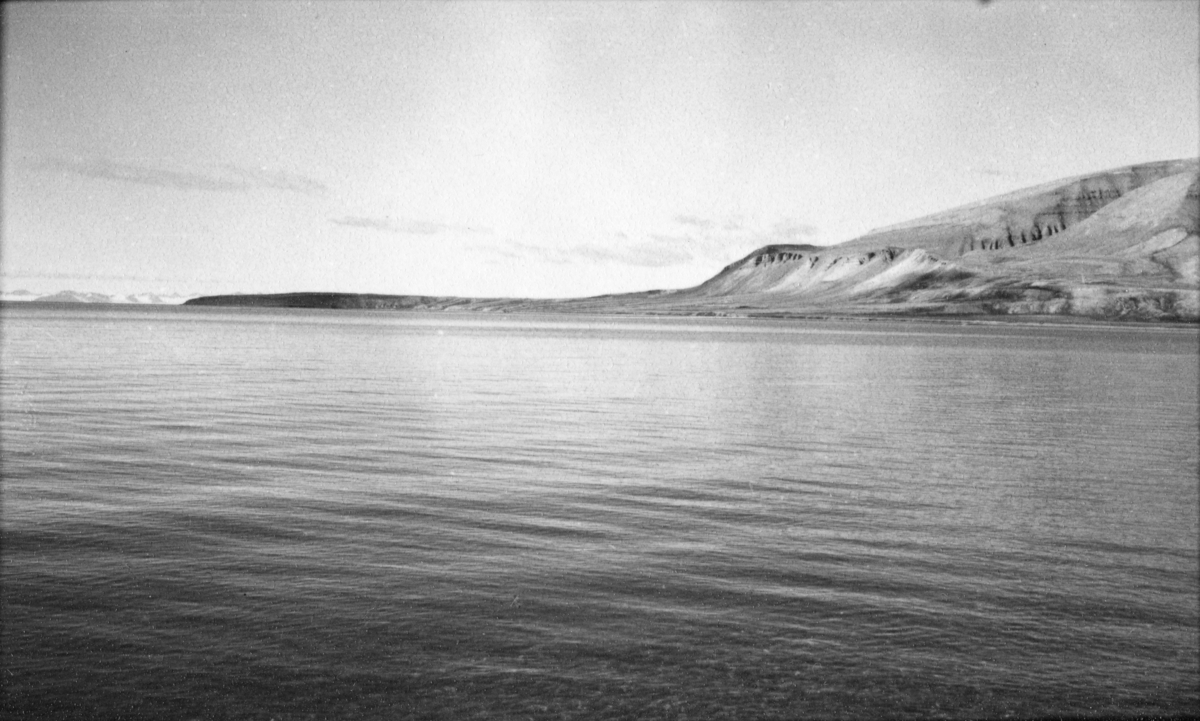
213,513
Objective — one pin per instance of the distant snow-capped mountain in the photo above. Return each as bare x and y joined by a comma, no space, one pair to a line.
74,296
18,295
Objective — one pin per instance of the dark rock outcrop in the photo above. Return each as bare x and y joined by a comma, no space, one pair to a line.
1023,217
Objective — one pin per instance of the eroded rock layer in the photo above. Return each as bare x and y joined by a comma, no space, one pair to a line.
1024,217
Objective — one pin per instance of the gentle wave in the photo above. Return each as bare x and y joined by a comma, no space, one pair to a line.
367,515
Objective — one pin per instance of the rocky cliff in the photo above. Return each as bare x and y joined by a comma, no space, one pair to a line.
1024,217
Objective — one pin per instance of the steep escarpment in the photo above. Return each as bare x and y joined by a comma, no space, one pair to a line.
1023,217
1129,239
822,274
1138,255
784,269
889,280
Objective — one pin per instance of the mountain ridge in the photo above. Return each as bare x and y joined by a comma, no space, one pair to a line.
1121,243
90,297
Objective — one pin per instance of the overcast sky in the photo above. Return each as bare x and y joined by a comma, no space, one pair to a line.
545,149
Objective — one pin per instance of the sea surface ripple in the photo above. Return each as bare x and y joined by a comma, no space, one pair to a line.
220,513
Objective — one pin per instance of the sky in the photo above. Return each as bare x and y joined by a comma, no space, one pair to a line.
545,149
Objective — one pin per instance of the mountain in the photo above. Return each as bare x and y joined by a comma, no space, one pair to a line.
1124,243
17,295
74,296
151,298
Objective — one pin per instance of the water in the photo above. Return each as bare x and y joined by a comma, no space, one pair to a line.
214,513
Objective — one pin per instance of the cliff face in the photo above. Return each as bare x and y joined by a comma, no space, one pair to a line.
1021,218
1137,255
821,273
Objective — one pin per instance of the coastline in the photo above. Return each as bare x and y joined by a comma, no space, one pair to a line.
538,307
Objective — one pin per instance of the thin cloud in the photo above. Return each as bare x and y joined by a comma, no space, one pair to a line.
386,225
714,239
105,169
224,178
27,274
647,254
402,226
24,273
278,180
526,251
691,240
730,224
695,222
788,229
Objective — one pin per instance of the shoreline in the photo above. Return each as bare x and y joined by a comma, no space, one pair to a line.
942,319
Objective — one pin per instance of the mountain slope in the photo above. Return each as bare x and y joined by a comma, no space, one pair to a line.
75,296
1022,217
1119,243
1148,235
